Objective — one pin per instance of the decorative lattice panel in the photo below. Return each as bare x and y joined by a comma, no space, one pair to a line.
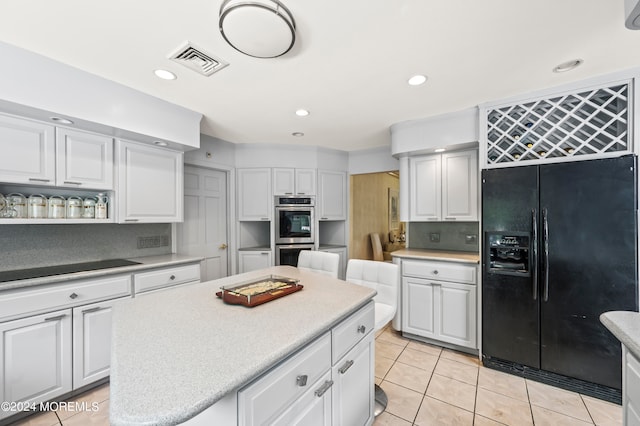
590,122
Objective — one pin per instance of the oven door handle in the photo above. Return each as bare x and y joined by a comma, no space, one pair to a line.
534,260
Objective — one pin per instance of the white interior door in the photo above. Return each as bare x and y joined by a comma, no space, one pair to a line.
204,230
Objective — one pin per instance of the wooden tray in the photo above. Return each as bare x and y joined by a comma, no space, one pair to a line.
259,291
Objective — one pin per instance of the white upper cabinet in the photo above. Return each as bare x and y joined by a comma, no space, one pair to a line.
150,184
443,187
255,200
28,152
460,185
84,160
332,195
287,181
426,187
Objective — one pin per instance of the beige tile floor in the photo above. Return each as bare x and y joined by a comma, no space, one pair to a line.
428,385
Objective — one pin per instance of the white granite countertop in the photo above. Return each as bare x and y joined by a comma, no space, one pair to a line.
447,256
625,325
147,262
175,353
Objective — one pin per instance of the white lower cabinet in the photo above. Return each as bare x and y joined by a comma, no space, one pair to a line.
353,384
252,260
36,358
92,342
630,388
165,278
329,382
440,309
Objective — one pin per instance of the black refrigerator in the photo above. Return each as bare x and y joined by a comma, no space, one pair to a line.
560,248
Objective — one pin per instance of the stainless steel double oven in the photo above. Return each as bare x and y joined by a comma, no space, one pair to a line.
295,228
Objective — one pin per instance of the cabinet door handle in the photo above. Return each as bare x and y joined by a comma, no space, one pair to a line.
264,252
449,218
435,272
86,311
73,296
288,193
324,218
56,318
39,180
301,380
325,387
69,182
264,218
362,329
301,193
131,220
347,365
172,277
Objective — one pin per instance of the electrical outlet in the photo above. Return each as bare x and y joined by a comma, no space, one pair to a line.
155,241
434,237
471,239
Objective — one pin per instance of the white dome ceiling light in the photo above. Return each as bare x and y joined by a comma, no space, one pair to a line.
258,28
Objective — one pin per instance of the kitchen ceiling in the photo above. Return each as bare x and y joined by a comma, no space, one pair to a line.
349,66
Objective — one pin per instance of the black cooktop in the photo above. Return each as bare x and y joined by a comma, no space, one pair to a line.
47,271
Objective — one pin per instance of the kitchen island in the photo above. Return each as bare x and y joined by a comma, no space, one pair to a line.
178,353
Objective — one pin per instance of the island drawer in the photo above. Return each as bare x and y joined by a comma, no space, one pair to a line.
158,278
351,331
442,271
261,401
31,300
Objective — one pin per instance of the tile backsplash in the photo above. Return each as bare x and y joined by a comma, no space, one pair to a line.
454,236
31,246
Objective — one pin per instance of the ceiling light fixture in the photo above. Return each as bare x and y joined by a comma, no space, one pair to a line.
302,112
61,120
297,134
165,75
568,66
440,150
417,80
258,28
160,143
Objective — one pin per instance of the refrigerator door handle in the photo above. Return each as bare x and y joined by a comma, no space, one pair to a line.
545,244
534,261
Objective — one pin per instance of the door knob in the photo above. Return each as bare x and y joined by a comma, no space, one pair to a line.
223,246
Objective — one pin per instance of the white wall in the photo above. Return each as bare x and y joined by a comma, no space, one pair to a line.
31,80
214,153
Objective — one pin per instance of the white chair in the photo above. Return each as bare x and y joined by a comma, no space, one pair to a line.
319,261
384,278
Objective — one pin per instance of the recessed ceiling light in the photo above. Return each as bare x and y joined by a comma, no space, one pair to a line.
302,112
165,75
297,134
61,120
440,150
568,66
160,143
417,80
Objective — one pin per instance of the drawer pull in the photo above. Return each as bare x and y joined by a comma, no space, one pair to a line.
264,218
56,318
362,329
39,180
86,311
172,277
347,365
131,220
73,296
435,272
68,182
325,387
301,380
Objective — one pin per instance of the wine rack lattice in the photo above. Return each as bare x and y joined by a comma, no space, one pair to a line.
589,122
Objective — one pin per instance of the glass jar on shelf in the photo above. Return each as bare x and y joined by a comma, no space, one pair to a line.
57,207
89,208
101,206
74,207
18,203
37,206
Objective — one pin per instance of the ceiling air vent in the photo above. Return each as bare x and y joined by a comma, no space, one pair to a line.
192,57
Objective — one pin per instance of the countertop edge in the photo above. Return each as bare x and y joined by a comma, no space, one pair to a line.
625,325
147,262
443,256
